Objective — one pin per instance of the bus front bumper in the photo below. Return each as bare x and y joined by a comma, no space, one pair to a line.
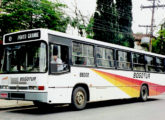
28,96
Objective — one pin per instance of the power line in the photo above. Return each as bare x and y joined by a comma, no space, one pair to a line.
129,8
121,26
104,27
146,26
153,6
104,23
108,13
126,14
110,30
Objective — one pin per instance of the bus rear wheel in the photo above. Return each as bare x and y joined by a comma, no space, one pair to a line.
79,98
144,93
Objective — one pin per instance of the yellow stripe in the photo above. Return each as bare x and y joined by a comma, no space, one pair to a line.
131,91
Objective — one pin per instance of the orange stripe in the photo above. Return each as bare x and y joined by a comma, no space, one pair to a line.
131,91
129,85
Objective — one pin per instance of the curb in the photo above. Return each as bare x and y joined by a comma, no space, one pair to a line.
18,107
12,104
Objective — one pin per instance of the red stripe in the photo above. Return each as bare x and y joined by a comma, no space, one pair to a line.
152,86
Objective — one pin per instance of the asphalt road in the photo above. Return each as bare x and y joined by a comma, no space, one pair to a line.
153,109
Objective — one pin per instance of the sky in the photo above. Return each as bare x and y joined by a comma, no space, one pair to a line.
140,16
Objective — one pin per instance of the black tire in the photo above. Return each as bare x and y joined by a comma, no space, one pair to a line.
144,93
79,98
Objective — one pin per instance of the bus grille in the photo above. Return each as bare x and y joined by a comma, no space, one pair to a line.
17,95
18,87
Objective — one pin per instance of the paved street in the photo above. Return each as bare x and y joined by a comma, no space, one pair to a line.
154,109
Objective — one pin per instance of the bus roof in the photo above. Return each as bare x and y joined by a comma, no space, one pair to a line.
102,43
47,31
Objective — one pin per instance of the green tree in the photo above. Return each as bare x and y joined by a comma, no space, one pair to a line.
105,25
158,44
29,14
124,8
89,30
79,21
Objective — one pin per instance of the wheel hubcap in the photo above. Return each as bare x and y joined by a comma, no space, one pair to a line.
80,98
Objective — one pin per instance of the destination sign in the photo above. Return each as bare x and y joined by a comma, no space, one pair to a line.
23,36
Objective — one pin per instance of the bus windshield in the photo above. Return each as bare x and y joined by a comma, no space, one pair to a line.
24,58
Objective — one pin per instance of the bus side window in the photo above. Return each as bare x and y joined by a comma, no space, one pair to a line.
138,62
59,58
82,54
99,56
123,60
105,57
159,65
150,64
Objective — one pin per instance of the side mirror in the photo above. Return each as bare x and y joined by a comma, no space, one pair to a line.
53,68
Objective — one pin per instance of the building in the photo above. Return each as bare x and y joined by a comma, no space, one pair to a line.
141,39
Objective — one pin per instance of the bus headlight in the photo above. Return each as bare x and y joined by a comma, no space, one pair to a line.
33,88
4,87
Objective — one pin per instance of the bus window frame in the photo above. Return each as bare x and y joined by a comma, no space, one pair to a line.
154,59
131,62
114,56
94,52
138,63
46,70
163,64
49,64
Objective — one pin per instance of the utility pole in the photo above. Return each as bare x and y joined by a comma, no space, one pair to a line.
152,19
0,3
147,27
162,42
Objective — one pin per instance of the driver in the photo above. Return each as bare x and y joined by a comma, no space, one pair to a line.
56,59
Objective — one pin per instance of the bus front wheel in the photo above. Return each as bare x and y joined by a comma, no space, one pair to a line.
144,93
79,98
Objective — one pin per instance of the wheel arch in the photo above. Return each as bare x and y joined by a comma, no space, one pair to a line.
85,86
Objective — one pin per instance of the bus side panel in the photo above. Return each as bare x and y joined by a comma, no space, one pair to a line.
103,84
59,95
131,82
59,89
113,87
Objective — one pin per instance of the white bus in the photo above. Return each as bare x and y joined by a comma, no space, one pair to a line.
50,67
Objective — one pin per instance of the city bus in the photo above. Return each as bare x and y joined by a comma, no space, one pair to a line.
50,67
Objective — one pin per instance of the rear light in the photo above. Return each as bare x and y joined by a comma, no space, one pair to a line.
41,87
4,95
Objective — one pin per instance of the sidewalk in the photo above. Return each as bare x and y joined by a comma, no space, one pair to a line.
7,104
11,104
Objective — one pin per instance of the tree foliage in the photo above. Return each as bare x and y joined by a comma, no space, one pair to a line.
78,20
105,24
89,30
113,22
124,8
29,14
158,44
